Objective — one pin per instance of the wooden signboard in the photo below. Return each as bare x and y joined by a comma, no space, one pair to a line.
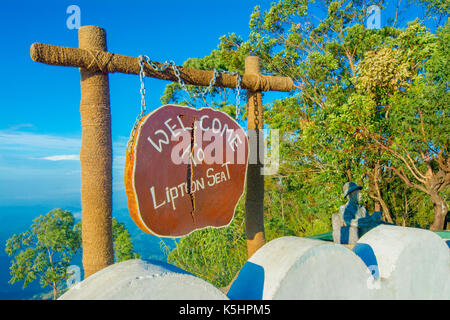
185,170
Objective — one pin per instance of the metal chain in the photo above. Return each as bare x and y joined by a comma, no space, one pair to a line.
238,89
194,96
145,59
255,106
238,94
177,73
142,79
143,105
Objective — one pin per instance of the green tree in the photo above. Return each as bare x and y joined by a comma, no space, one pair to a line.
45,250
418,143
321,56
350,81
123,245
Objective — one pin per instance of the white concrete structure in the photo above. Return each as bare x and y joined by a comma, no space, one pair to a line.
143,280
301,268
388,262
413,263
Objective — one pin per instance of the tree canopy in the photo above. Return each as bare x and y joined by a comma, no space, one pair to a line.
45,250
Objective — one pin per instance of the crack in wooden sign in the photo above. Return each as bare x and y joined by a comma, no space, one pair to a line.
186,170
190,172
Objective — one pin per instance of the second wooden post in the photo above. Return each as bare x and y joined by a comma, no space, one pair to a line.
254,204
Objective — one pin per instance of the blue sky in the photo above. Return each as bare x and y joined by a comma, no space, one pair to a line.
40,133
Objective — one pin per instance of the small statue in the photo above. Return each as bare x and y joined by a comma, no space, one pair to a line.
353,221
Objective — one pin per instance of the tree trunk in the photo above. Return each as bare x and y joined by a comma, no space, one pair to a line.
440,211
386,212
55,292
405,213
376,195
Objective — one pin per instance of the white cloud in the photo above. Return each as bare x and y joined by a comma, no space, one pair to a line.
38,167
62,157
18,140
20,126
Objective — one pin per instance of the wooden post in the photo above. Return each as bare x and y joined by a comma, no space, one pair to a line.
254,204
95,159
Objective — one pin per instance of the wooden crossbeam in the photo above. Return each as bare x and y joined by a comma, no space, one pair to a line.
96,60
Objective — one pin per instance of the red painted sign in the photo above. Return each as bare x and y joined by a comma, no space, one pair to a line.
185,171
